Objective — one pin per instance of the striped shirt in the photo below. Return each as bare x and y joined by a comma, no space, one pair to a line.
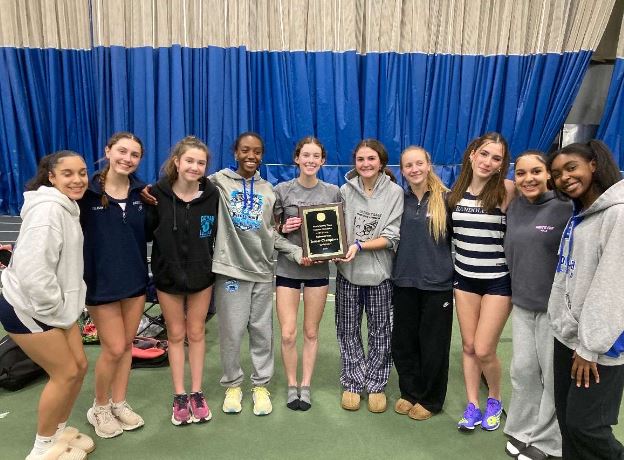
478,240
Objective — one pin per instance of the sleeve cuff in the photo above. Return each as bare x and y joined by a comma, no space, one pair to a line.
586,354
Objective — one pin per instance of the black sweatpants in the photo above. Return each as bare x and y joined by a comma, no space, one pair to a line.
585,415
421,339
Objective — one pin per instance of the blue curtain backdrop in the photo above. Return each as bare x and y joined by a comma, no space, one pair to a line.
55,99
611,129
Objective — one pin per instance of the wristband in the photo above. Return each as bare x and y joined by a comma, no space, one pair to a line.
358,244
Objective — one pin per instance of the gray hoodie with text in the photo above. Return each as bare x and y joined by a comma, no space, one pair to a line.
585,306
246,235
367,218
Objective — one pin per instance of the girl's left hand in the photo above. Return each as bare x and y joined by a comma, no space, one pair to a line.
306,262
581,369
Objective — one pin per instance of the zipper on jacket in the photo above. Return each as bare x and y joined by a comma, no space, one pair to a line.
185,249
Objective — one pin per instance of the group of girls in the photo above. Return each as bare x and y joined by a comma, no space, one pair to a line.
495,234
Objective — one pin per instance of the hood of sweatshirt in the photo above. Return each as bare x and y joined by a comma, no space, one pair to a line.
614,195
354,182
46,195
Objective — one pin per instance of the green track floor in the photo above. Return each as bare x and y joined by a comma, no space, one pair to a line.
325,431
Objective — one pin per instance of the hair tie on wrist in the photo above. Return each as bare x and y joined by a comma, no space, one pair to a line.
357,243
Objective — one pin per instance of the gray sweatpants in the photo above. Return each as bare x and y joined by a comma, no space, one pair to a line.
245,306
531,416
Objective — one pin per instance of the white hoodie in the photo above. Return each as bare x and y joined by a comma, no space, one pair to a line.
44,278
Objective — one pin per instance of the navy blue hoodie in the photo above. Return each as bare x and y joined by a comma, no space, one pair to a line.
183,235
115,251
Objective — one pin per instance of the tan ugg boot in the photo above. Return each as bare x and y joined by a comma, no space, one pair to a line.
403,406
418,412
377,402
350,401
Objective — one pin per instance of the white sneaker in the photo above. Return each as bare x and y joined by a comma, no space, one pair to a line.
104,422
232,401
127,418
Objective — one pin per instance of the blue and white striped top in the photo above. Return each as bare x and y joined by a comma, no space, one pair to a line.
478,240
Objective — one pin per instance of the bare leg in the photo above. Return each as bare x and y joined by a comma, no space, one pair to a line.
173,310
495,310
52,350
314,304
287,305
198,304
468,306
131,311
108,320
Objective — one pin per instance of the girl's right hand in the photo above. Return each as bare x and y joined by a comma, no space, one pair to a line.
147,197
292,224
353,250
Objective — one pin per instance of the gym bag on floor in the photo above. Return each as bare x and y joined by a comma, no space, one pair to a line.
16,369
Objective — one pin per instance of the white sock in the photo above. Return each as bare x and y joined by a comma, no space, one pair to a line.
59,429
42,444
117,405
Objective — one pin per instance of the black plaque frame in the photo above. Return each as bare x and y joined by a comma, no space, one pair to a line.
334,229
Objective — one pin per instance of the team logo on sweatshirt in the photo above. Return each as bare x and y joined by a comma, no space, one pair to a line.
231,285
205,226
544,228
246,210
365,223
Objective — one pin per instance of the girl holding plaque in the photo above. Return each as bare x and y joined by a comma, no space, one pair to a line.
306,189
373,209
423,290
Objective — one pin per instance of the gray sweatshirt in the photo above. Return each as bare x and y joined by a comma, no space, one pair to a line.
531,242
44,278
367,218
585,306
246,235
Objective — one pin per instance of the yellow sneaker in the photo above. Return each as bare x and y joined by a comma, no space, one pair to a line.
232,401
262,401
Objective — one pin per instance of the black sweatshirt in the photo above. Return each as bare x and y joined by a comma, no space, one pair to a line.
183,235
421,262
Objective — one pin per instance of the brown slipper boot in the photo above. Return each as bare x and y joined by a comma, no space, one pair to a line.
377,402
418,412
350,401
402,406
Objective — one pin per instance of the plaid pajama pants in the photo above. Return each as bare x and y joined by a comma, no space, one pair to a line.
360,372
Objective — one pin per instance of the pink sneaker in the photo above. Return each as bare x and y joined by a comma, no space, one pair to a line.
199,408
181,410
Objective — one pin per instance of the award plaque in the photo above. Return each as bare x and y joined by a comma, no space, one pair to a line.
323,231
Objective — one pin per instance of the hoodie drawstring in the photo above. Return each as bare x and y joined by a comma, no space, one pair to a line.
247,205
175,220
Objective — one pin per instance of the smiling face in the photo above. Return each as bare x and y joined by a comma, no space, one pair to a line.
310,159
531,177
487,160
248,155
573,176
124,156
367,163
191,165
70,177
415,167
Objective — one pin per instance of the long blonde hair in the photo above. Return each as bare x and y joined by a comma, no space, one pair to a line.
437,191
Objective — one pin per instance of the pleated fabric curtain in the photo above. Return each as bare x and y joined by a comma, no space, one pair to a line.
611,128
428,72
46,89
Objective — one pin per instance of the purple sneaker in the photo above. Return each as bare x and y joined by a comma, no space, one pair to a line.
492,417
181,410
199,408
472,417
